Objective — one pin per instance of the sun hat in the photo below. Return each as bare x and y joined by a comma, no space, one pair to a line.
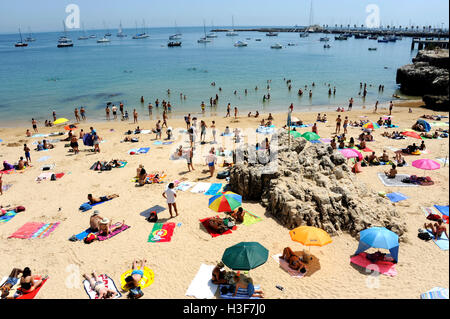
95,213
104,221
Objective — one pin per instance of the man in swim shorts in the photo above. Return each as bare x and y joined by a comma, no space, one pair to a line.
12,280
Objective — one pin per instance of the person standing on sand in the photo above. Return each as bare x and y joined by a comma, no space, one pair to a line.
158,129
338,124
171,195
77,117
54,116
121,108
228,110
213,127
345,124
26,149
135,116
376,107
114,110
189,156
235,112
34,123
202,131
350,104
211,160
96,140
164,115
82,112
391,106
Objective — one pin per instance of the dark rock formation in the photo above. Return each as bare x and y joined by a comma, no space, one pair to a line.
427,76
312,186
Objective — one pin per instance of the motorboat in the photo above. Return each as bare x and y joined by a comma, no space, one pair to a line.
92,36
360,36
104,40
340,37
384,40
174,44
257,39
276,46
240,44
272,34
324,39
373,37
64,41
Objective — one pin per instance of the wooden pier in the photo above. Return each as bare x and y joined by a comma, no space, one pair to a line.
443,44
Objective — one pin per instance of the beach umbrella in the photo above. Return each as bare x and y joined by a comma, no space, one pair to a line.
425,125
310,136
310,236
378,237
60,121
411,134
225,202
245,256
371,125
351,153
295,134
426,164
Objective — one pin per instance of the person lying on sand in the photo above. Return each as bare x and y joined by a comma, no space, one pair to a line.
12,280
218,274
293,260
29,282
132,281
105,227
217,224
3,210
437,229
47,145
93,200
99,287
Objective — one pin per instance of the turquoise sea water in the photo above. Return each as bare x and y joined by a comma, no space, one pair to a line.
41,77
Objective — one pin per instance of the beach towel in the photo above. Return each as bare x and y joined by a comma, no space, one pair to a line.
201,188
211,231
395,182
143,150
326,140
32,294
428,210
157,143
161,233
146,131
442,242
8,216
315,142
383,267
265,129
114,233
435,293
39,135
396,197
184,186
88,206
241,293
285,266
201,286
214,189
250,219
107,281
157,208
43,158
81,235
34,230
167,143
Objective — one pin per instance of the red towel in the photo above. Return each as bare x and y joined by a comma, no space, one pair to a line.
383,267
211,231
27,230
367,150
32,294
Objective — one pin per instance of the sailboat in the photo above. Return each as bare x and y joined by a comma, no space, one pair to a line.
204,39
232,33
120,33
107,34
64,41
29,38
20,43
104,40
211,35
305,33
177,35
142,35
83,37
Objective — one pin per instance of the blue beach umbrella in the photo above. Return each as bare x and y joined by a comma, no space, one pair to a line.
425,124
378,237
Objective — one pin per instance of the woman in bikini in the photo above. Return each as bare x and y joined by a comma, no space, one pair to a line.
132,281
105,227
293,260
218,274
29,282
99,287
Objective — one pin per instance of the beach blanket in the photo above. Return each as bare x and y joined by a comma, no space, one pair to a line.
201,188
87,205
214,189
303,125
48,175
395,182
142,150
285,266
326,140
167,143
114,233
107,281
442,242
184,186
241,293
32,294
396,197
146,131
315,142
34,230
211,231
161,233
81,235
435,293
428,210
157,143
201,286
43,158
250,219
8,216
265,130
383,267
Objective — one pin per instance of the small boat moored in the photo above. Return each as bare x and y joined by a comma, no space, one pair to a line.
276,46
240,44
174,44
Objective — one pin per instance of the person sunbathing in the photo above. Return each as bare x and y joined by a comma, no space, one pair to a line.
238,215
293,260
372,159
351,143
29,282
362,145
376,256
217,224
133,280
218,274
141,175
244,282
94,221
99,287
437,229
47,145
105,228
392,172
384,157
12,280
93,200
418,127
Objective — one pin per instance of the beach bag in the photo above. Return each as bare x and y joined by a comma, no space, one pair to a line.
53,178
135,293
153,218
20,209
90,238
84,207
424,236
223,174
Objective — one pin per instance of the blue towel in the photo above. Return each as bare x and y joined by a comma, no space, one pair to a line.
442,242
8,216
396,197
167,143
157,143
241,293
143,150
442,209
214,189
316,141
84,234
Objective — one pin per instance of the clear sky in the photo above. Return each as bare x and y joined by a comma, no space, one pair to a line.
47,15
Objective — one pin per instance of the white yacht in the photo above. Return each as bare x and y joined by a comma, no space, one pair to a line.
276,46
120,33
240,44
104,40
29,38
64,41
232,33
177,35
324,39
204,39
84,36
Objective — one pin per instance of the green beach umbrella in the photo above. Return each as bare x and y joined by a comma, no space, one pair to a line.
310,136
245,256
295,134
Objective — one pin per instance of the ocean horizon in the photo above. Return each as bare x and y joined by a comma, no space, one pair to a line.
42,78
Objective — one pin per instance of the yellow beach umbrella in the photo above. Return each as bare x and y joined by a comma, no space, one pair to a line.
60,121
310,236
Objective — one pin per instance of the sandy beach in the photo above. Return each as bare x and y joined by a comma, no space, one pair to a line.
422,265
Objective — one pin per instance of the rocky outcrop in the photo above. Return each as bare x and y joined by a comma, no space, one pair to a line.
427,76
312,186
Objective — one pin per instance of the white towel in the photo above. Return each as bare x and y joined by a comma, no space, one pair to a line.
201,286
201,188
107,281
184,186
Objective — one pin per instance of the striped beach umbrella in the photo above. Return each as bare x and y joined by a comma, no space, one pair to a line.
225,202
371,125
